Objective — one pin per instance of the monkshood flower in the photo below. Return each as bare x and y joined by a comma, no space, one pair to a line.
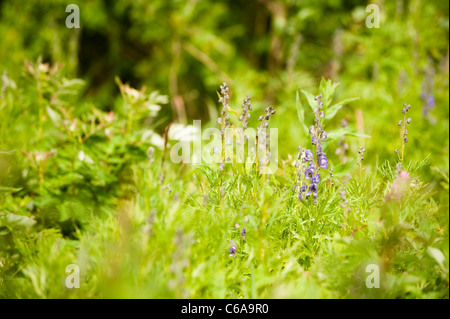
315,179
314,140
232,250
312,190
309,156
319,150
313,187
310,171
323,161
302,192
318,135
243,233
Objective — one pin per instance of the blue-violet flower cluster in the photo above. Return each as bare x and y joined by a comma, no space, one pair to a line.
311,173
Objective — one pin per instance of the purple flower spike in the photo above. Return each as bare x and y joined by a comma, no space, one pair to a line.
323,162
310,171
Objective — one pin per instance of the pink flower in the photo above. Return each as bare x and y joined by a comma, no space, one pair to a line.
399,186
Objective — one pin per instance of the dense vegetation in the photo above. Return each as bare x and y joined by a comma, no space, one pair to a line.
88,118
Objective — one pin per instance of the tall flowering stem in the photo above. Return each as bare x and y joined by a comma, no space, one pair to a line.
262,137
224,118
246,108
403,130
320,161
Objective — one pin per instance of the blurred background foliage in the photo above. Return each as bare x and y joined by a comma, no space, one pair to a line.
268,49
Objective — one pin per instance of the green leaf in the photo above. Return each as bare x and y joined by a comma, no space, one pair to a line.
332,110
6,190
344,168
310,97
301,113
437,255
72,209
16,221
333,135
54,116
327,88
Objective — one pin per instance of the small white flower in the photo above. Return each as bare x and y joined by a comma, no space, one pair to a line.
81,156
85,158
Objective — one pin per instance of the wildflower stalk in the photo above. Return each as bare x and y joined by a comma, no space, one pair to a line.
403,131
361,152
246,108
317,119
318,135
403,141
264,119
316,146
224,98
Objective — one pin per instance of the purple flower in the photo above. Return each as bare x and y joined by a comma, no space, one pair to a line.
232,250
310,171
430,101
323,162
319,150
312,190
314,140
302,192
308,155
315,179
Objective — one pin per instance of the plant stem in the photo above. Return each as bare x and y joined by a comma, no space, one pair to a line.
403,135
